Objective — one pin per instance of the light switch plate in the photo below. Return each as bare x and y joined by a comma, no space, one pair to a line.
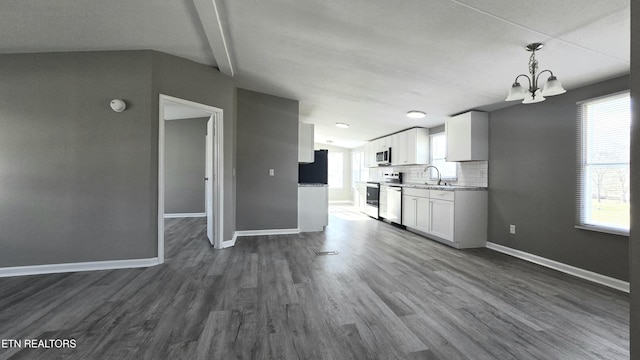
271,172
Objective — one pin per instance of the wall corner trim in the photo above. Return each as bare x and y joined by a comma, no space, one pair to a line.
266,232
184,215
567,269
80,266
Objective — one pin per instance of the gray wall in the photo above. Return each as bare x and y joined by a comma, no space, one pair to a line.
267,139
343,194
191,81
635,184
79,181
184,165
532,184
74,175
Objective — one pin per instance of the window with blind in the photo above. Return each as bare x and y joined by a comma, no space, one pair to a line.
604,127
448,170
335,171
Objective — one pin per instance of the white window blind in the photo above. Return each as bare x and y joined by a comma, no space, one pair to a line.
604,126
448,170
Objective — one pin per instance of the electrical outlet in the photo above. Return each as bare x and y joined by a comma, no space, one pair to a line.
512,229
271,172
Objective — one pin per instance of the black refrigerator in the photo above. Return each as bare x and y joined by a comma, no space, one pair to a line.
315,172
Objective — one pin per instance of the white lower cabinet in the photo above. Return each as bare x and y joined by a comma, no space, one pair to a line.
313,208
455,218
415,208
442,217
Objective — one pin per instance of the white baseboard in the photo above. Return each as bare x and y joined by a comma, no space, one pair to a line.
184,215
567,269
340,202
266,232
81,266
230,243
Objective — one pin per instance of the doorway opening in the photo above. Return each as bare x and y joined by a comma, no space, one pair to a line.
174,109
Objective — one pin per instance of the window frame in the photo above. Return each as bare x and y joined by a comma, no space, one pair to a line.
342,172
582,198
432,172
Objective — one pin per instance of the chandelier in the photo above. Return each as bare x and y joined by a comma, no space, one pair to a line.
534,94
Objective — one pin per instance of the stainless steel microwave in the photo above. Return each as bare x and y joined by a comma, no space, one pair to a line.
383,157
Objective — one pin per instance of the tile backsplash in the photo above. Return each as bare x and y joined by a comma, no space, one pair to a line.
470,173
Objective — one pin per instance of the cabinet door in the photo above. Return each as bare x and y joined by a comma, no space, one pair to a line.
442,217
369,155
399,149
422,214
458,136
409,205
395,149
410,140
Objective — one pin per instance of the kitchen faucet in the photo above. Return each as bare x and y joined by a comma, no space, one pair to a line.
438,171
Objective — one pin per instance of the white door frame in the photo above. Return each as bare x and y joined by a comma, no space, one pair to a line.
218,168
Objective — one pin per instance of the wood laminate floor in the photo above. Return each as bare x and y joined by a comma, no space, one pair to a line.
388,294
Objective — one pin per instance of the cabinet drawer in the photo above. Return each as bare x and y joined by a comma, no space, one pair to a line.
415,192
442,195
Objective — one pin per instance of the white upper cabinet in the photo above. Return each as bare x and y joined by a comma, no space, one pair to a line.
305,143
410,147
398,148
468,137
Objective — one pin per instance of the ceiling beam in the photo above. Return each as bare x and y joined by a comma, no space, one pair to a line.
210,20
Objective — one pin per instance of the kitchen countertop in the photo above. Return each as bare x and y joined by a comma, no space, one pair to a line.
312,185
433,187
440,187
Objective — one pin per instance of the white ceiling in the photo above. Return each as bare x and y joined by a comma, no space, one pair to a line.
363,62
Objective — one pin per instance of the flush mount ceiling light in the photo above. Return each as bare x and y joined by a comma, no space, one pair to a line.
416,114
342,125
534,94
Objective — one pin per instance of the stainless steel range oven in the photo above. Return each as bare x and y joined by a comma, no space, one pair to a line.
373,199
